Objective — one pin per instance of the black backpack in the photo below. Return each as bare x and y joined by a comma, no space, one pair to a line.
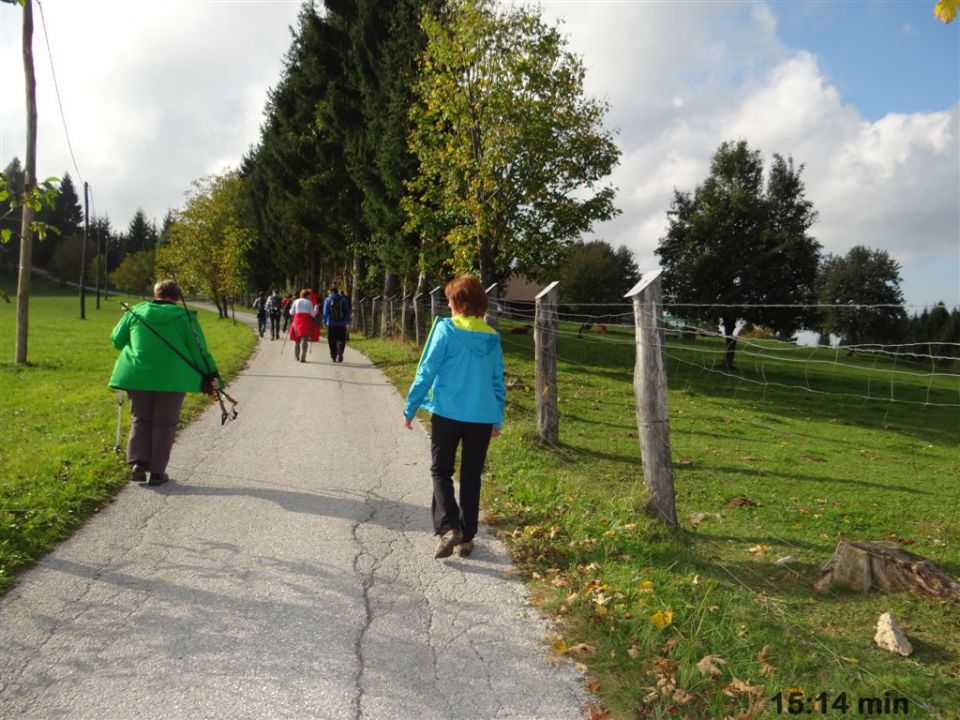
336,312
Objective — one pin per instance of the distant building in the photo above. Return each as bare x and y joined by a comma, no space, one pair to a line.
520,288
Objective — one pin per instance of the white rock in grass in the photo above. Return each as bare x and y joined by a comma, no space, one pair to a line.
890,637
786,560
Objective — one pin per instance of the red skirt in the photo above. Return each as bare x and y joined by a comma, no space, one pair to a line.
304,325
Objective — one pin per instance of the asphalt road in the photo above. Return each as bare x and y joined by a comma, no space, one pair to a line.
286,571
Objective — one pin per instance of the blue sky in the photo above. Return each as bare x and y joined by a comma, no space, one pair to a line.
866,95
882,56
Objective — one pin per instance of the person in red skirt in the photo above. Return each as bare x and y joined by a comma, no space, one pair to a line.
303,326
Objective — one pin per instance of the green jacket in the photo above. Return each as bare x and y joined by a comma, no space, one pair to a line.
146,363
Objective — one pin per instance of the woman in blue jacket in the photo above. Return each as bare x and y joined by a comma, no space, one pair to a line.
460,382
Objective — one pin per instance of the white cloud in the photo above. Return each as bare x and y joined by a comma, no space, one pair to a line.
892,184
155,94
159,94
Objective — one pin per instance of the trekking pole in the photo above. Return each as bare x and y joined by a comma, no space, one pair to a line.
218,392
116,444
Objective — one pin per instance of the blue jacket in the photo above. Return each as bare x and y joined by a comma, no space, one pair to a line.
460,375
330,322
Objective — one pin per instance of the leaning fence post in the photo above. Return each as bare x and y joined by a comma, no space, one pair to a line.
360,320
545,346
373,316
434,303
650,393
493,307
404,311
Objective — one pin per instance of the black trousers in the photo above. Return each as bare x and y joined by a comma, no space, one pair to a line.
445,436
274,327
337,339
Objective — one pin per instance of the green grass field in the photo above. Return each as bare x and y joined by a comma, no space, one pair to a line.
59,417
792,432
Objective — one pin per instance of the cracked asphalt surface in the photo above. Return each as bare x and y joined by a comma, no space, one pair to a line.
276,577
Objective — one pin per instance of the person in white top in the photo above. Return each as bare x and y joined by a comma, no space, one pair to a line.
303,328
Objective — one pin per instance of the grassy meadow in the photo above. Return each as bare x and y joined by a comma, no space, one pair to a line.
783,457
59,417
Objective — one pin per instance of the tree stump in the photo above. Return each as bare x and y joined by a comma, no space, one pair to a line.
885,566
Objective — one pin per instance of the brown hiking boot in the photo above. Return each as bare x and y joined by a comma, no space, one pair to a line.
448,540
465,548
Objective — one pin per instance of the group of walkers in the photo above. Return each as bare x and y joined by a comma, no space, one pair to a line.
459,381
300,314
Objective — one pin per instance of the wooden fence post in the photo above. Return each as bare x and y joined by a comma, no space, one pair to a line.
545,347
404,313
650,393
493,307
417,318
434,304
359,319
373,315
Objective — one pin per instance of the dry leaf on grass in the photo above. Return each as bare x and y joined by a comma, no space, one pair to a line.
766,669
708,666
595,711
582,651
758,550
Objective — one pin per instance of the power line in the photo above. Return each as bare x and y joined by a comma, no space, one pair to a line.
56,87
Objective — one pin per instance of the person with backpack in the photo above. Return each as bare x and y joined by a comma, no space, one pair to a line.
286,303
460,382
163,356
260,305
274,311
336,316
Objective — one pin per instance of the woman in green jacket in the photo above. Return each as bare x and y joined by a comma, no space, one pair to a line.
163,356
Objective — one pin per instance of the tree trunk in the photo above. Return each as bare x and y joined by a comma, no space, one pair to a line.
389,288
487,271
29,183
417,308
885,566
355,292
729,342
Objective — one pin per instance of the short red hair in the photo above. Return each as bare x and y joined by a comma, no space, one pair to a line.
467,295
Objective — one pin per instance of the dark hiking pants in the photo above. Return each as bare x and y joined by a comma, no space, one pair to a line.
445,436
337,340
153,428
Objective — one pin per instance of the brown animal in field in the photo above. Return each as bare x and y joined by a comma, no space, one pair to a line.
520,330
602,329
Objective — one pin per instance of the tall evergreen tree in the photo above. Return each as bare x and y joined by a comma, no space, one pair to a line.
9,218
141,233
65,220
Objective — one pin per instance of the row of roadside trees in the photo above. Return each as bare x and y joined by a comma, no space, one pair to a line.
125,258
410,139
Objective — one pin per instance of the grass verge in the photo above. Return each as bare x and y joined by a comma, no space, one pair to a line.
784,457
59,417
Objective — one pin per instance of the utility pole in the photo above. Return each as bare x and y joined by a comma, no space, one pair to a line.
29,184
96,232
83,252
